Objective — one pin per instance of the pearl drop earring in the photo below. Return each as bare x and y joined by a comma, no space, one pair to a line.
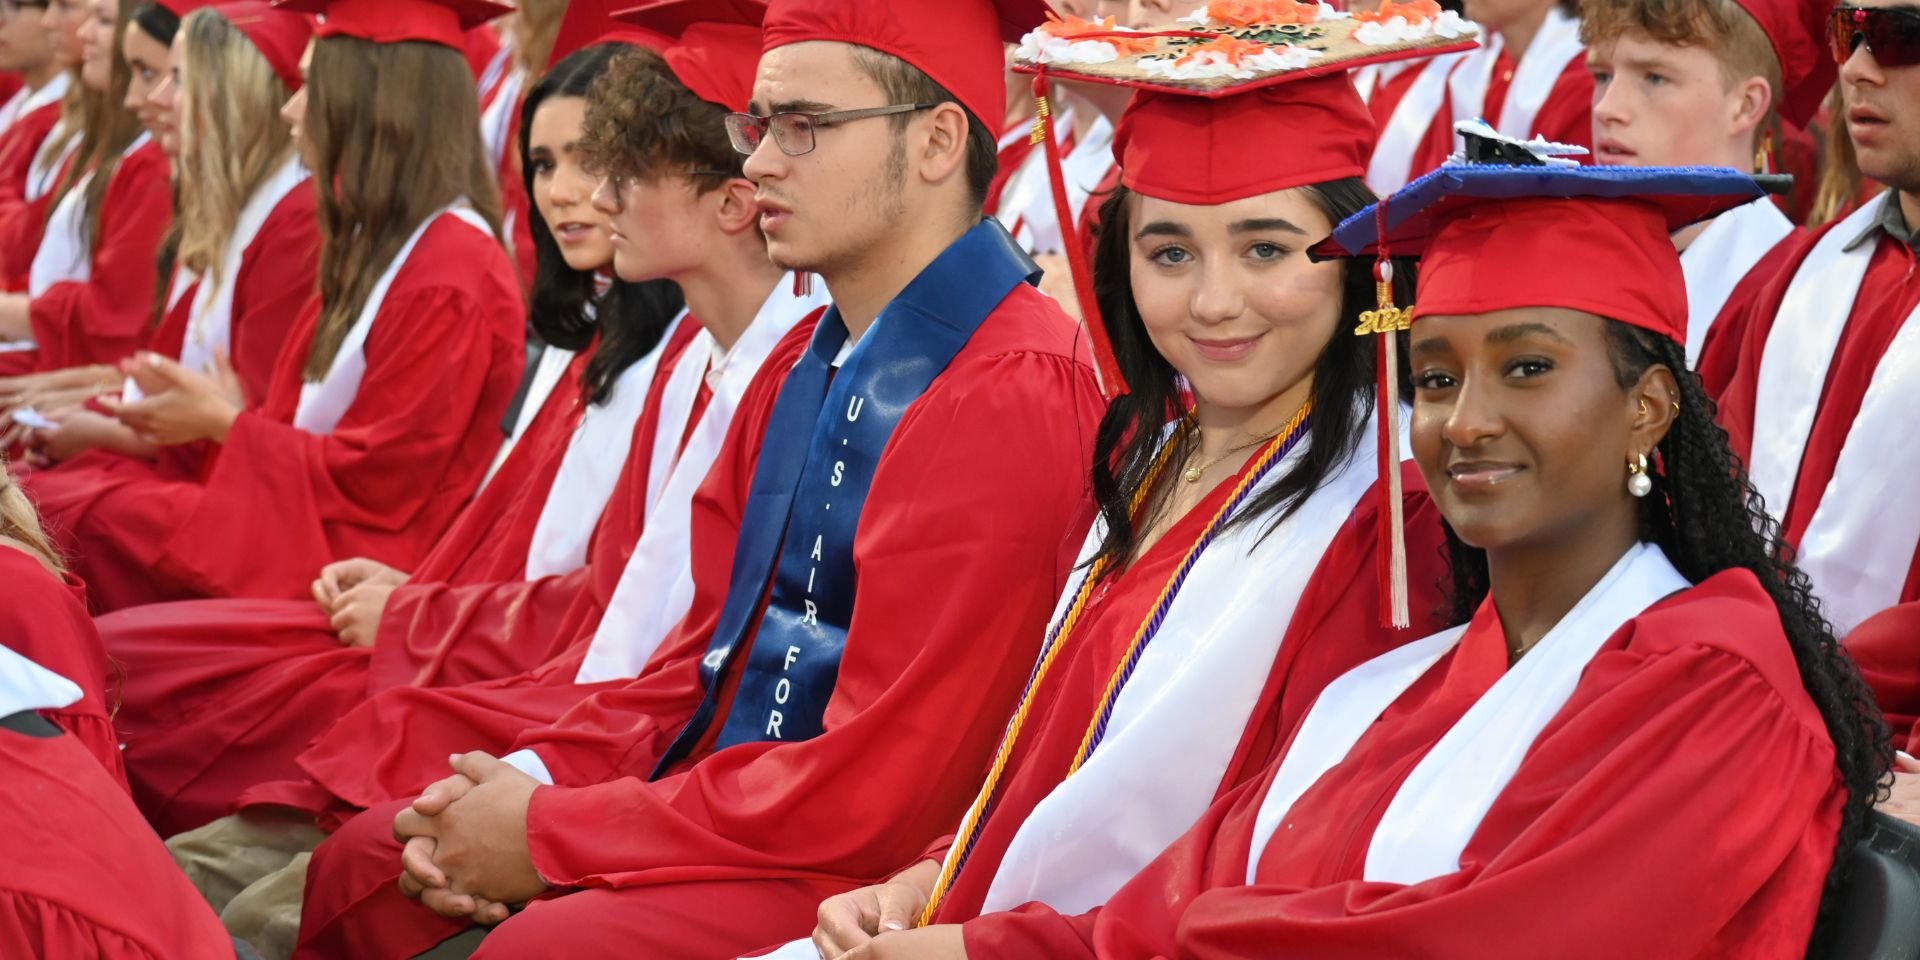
1638,483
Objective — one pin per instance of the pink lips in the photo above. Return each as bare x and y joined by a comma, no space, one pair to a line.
1223,351
1481,475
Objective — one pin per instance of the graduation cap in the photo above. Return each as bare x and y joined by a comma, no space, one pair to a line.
1507,235
444,22
714,46
1797,30
279,35
958,43
590,22
1246,72
180,8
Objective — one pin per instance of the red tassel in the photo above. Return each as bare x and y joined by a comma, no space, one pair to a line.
1112,383
1386,322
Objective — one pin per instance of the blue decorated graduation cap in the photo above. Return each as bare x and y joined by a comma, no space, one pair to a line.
1512,224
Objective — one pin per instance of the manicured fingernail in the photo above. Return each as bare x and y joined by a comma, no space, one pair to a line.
893,925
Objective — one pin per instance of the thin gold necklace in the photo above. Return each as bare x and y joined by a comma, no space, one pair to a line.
1193,474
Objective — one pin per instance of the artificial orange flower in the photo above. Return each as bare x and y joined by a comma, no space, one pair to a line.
1233,48
1414,11
1247,13
1071,27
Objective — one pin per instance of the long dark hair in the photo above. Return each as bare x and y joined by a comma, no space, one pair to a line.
566,309
1706,516
1129,437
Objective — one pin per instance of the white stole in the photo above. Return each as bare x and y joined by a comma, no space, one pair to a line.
27,101
547,372
1720,257
65,256
1391,165
44,172
210,319
322,404
496,122
656,587
1439,807
1859,546
591,467
183,280
1177,723
25,685
1553,47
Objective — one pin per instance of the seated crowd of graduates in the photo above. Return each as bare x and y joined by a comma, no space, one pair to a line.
1334,480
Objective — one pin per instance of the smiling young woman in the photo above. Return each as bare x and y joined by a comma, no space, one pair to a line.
1553,777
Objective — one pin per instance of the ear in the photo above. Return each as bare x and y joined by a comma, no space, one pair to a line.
737,210
944,154
1656,404
1752,104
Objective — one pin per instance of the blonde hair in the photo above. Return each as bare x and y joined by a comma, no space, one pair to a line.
231,137
395,135
105,128
19,521
536,24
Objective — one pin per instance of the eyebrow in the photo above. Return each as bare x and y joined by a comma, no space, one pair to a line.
1517,331
1429,345
1163,228
791,106
1265,224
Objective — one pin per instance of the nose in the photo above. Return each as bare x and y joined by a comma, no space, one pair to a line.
1861,68
1609,106
766,160
605,197
1218,298
565,189
1474,417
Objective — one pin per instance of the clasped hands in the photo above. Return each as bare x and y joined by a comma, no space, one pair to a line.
465,852
181,405
353,594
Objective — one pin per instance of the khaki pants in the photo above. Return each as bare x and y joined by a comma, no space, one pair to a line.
253,869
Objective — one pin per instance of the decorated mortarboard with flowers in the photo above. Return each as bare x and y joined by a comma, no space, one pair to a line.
1229,46
1509,224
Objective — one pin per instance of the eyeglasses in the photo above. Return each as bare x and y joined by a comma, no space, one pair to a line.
1891,34
793,133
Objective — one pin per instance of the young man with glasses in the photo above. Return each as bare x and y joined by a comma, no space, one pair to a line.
876,555
1821,404
1704,84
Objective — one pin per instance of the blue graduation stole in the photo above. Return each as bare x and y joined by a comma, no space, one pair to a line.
810,483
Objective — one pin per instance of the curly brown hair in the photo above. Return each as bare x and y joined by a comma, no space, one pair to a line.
643,123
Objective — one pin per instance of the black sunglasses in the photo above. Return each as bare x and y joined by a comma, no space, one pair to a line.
1892,34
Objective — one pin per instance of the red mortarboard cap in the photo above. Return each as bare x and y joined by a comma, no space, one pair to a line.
180,8
958,43
716,44
1196,149
1797,29
445,22
588,22
280,36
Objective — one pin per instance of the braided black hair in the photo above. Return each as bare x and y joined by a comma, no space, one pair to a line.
1706,516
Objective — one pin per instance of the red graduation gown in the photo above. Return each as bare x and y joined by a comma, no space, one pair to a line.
1616,837
104,318
1887,649
962,548
22,221
443,358
1335,628
1887,297
222,694
398,741
274,283
1565,117
46,621
85,877
1720,351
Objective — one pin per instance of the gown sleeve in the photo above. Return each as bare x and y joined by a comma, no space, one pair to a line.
939,635
277,278
364,488
104,318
